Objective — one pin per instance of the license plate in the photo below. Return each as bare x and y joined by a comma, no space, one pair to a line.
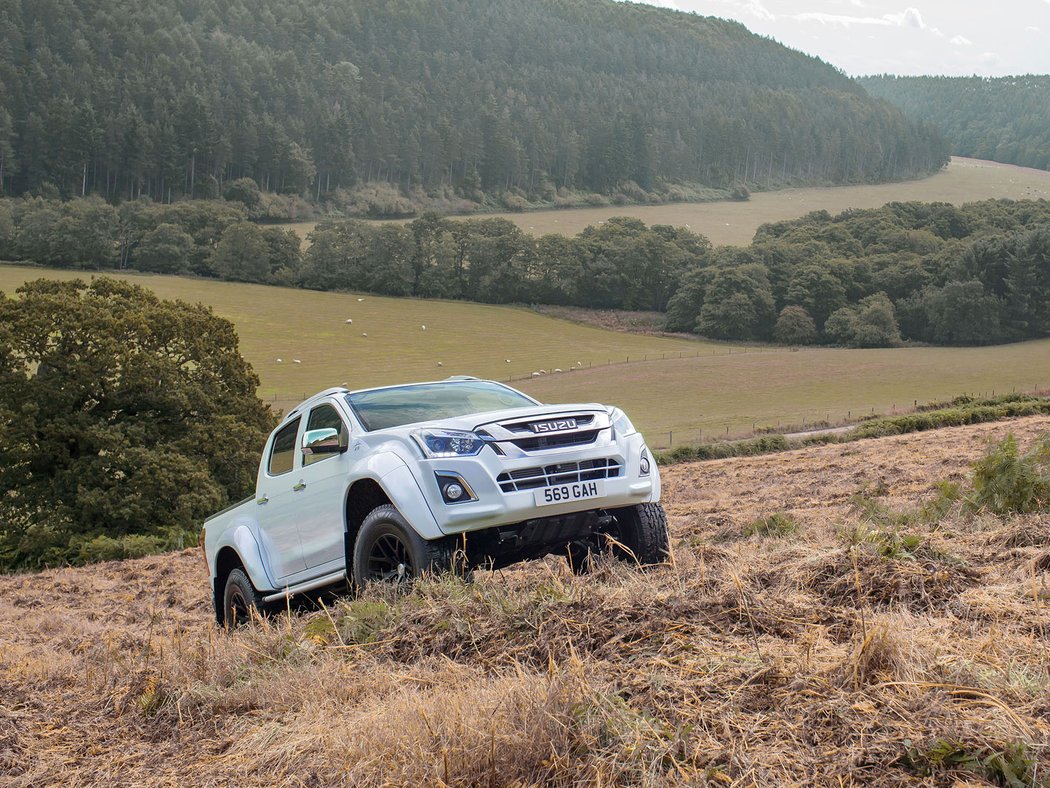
563,493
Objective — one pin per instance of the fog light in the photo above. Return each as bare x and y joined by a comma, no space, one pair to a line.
643,466
453,489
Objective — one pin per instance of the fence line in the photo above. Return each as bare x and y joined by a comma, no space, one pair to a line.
813,420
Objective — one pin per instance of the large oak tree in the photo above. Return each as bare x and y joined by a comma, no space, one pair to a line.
125,420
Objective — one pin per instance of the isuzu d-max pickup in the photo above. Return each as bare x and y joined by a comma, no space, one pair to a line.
385,484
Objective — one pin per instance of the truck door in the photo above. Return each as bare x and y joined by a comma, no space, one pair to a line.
275,505
322,474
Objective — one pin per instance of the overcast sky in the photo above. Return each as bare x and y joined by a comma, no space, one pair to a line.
953,37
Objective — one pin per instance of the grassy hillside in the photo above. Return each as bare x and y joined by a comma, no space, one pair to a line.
698,387
857,643
964,180
712,393
460,338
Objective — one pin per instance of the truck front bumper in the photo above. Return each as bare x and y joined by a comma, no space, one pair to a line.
503,491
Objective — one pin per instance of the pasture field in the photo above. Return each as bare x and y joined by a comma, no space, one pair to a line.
720,396
887,640
734,223
460,338
675,389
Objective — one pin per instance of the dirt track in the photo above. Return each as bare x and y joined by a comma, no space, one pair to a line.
115,673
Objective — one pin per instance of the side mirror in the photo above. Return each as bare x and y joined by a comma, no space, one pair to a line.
325,441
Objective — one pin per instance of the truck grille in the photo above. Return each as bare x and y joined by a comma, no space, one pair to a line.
556,440
562,473
581,419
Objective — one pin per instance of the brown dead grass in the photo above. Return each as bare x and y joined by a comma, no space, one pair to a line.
806,659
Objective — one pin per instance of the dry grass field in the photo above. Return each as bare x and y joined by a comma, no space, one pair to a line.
964,180
687,387
865,647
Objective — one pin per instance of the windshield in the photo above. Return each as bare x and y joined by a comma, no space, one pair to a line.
399,405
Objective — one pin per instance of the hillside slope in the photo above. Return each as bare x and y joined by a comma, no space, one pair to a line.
306,96
833,655
1005,119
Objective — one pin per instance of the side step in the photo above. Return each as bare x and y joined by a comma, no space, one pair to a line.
309,585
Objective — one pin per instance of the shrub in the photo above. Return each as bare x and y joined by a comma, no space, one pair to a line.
105,548
775,525
1005,481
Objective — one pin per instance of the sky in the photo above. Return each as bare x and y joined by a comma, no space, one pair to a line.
990,38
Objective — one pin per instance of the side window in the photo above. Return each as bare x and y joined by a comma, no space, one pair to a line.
282,454
325,417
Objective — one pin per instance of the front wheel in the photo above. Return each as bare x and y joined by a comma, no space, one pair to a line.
642,529
388,550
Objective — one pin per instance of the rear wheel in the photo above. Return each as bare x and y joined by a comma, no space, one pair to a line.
240,601
388,550
642,529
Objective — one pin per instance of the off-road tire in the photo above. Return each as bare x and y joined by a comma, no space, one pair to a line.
642,529
388,549
240,601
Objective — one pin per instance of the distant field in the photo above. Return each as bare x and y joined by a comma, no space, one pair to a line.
710,389
739,392
471,339
964,180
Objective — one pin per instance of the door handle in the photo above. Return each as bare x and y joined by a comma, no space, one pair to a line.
300,486
262,501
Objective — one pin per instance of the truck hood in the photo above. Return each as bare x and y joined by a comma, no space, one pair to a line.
474,421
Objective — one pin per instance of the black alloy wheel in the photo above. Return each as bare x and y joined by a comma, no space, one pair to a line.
389,550
389,560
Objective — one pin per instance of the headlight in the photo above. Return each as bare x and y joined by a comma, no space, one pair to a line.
448,443
621,424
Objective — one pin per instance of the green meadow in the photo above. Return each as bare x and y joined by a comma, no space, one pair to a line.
675,389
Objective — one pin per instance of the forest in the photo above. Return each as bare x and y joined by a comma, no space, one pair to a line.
362,105
1004,119
922,272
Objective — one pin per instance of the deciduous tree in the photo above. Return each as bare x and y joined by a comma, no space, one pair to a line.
121,416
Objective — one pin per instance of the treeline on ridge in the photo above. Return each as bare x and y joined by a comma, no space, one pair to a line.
1005,119
452,100
927,272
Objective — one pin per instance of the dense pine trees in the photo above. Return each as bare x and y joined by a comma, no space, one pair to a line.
1004,119
179,98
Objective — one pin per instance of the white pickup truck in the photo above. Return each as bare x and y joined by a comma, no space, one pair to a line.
386,483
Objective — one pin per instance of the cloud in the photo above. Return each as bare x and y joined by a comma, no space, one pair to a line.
909,17
961,41
1033,28
752,8
838,19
